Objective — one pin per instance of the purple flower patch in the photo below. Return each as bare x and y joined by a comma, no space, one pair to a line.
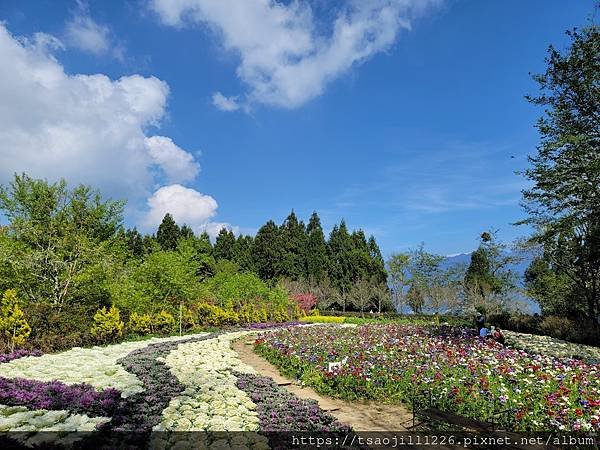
7,357
55,395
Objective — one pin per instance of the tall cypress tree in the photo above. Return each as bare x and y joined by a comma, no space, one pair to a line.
243,253
224,245
360,257
378,272
168,233
186,232
316,250
293,240
339,251
267,251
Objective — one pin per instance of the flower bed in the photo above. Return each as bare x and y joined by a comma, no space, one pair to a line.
463,373
551,346
21,353
172,385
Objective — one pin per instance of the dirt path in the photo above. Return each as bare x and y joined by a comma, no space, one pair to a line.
361,416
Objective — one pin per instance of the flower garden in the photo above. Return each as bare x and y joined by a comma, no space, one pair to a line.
150,391
456,370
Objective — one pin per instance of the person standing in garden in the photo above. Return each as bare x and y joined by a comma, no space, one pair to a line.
479,321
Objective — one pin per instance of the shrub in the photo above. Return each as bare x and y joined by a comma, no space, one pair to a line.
13,324
107,324
260,315
163,322
305,301
140,323
558,327
323,319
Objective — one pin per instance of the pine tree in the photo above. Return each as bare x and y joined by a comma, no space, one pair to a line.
243,253
224,245
360,258
168,233
135,242
339,251
267,251
316,250
293,239
186,232
377,269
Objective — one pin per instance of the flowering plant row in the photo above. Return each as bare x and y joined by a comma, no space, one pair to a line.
20,353
551,346
457,370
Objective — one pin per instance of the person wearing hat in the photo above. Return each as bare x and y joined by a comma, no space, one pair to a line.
480,322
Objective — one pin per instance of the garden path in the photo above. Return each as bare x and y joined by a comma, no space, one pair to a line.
361,416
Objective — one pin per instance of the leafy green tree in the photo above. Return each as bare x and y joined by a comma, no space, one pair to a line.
168,233
224,245
564,203
267,251
60,245
316,250
293,240
397,269
415,298
13,326
555,292
488,282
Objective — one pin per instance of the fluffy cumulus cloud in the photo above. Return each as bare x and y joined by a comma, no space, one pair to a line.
84,128
186,206
287,56
177,164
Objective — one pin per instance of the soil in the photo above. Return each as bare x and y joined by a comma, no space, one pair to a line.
361,416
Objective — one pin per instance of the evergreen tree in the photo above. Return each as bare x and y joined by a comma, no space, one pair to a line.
316,250
186,232
360,259
377,269
293,239
135,242
168,233
243,253
267,251
339,251
224,245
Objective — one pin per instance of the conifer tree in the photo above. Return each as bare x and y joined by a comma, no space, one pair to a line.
339,251
243,253
168,233
377,271
224,245
293,240
316,250
267,251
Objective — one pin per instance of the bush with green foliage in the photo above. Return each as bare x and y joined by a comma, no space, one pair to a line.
163,322
13,325
108,326
140,323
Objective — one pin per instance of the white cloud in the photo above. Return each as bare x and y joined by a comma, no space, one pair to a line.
85,34
186,206
225,103
177,164
286,59
213,228
87,128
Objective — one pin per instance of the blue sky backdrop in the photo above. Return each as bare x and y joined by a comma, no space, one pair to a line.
404,117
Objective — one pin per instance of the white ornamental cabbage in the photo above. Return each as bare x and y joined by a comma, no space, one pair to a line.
96,366
19,418
211,400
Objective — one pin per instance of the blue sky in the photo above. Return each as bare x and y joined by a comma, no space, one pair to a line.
406,118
